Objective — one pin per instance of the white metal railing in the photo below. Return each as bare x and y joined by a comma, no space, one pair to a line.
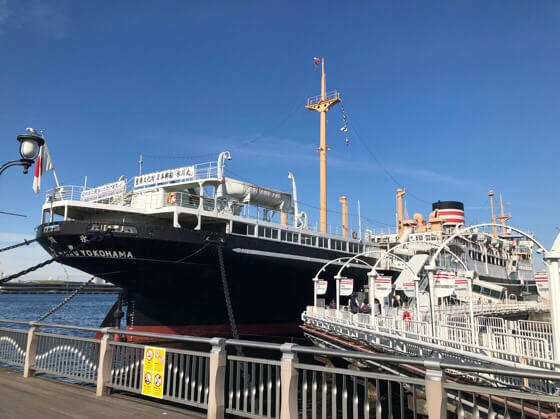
491,337
279,380
319,98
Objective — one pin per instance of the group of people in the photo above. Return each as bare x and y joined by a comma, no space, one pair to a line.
355,306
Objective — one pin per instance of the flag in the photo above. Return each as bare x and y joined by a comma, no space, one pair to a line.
43,164
316,60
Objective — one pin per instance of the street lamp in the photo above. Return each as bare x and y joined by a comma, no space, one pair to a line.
29,146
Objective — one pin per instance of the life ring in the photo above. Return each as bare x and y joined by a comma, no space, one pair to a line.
354,235
407,316
172,198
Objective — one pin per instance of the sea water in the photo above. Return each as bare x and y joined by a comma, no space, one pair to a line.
82,310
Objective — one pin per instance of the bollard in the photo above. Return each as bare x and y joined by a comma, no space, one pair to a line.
289,382
217,379
105,364
30,352
436,397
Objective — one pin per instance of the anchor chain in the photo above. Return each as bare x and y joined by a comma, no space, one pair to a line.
53,259
24,242
227,296
66,300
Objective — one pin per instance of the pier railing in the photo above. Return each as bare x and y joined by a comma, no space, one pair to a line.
451,336
268,380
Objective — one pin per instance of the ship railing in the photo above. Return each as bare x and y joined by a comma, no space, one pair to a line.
508,346
64,193
319,98
267,380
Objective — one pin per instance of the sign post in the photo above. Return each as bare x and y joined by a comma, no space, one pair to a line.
552,257
153,373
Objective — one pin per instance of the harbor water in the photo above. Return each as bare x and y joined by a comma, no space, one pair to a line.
82,310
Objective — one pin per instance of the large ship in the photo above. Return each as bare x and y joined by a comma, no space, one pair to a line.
160,240
198,252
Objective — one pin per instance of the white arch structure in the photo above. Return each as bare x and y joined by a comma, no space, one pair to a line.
373,274
431,277
552,257
323,269
466,229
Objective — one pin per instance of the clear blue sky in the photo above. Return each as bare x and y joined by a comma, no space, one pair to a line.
453,97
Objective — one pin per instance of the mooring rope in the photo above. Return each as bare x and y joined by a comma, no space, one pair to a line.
25,242
66,300
53,259
229,306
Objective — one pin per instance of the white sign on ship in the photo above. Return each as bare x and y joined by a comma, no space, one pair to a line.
166,176
322,287
383,286
541,281
346,286
103,191
461,287
444,284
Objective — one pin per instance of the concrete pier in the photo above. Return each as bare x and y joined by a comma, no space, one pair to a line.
46,398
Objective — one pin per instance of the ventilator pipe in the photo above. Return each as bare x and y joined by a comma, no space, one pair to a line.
344,203
294,197
224,155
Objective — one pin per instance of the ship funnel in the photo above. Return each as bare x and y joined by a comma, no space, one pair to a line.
451,212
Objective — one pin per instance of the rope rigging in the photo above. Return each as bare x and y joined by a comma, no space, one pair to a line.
227,296
330,211
51,260
234,147
66,300
374,156
24,242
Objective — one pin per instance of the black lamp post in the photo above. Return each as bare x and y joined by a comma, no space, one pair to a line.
29,145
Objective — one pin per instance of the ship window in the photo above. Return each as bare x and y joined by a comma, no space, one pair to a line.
129,230
323,242
274,233
336,244
115,228
250,229
267,232
288,236
239,228
308,240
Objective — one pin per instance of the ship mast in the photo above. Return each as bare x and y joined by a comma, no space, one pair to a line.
322,104
503,218
491,196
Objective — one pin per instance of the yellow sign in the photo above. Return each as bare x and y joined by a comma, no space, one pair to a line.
154,371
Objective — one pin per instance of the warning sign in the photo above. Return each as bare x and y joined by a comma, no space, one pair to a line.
153,372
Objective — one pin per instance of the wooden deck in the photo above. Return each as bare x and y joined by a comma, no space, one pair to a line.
47,398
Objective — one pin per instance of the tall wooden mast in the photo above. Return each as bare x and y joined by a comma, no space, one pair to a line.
322,104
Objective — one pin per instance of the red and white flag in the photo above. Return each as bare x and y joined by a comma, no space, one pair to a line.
43,164
316,60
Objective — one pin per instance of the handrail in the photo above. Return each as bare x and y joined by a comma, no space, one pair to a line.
530,372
